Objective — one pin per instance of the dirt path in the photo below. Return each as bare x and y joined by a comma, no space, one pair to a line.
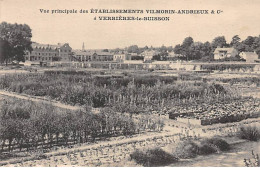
38,99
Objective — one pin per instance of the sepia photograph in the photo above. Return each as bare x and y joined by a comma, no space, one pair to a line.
130,83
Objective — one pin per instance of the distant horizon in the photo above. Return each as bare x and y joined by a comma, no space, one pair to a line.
240,17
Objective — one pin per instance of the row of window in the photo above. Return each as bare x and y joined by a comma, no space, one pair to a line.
35,58
50,54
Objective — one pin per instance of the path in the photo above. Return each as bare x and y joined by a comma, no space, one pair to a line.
39,99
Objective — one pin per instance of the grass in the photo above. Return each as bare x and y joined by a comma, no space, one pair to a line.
153,157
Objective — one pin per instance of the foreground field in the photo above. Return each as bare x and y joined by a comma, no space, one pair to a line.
115,114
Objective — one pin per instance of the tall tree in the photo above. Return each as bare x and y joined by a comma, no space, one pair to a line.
18,37
219,41
235,40
187,42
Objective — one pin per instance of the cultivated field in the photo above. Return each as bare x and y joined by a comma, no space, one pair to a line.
101,117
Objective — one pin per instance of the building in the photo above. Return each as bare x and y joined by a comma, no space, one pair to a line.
148,55
90,55
82,56
249,56
102,56
221,53
172,56
48,53
121,57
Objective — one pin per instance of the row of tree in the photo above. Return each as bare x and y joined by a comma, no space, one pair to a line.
191,50
29,125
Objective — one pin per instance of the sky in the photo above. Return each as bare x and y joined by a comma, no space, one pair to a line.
239,17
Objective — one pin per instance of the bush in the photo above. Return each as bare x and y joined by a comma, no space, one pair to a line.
217,143
189,149
186,149
251,133
153,157
206,149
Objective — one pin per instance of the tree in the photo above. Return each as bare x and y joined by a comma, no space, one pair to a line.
18,37
163,49
207,49
133,49
196,50
219,41
5,51
105,50
177,49
187,42
249,41
235,40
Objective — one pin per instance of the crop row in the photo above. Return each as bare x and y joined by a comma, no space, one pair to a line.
129,93
31,125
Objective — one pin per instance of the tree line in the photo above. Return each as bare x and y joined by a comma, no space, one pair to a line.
191,50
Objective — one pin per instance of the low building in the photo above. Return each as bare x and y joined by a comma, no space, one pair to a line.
148,55
249,56
102,56
222,53
86,56
121,57
173,57
47,52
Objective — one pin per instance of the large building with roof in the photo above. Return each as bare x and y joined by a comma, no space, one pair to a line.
48,53
222,53
121,56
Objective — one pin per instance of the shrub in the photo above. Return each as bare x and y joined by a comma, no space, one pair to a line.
217,143
153,157
189,149
206,149
186,149
251,133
